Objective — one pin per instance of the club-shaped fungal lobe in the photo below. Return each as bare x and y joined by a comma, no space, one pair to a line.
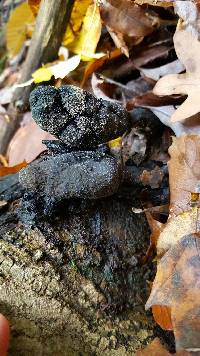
76,117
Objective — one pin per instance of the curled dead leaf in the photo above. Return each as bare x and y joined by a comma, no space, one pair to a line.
184,172
187,83
128,18
177,285
175,229
184,178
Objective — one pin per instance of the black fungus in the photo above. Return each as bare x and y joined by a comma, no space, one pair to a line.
76,117
77,165
85,175
55,146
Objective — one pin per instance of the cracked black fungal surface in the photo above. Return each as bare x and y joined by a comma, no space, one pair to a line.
76,117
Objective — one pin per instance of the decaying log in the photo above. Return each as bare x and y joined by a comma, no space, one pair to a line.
75,285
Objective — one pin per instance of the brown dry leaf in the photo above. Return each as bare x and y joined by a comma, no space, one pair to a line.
153,177
165,3
184,172
187,83
150,99
102,88
157,349
156,228
175,229
177,285
149,54
119,41
27,142
125,19
4,171
184,177
128,18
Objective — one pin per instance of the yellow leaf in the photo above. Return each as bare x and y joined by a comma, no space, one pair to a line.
17,28
89,36
116,143
63,68
76,20
59,70
42,75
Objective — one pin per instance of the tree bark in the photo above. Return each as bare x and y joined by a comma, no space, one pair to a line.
76,285
50,27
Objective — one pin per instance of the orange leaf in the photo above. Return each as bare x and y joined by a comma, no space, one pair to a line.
162,316
4,171
34,5
94,65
